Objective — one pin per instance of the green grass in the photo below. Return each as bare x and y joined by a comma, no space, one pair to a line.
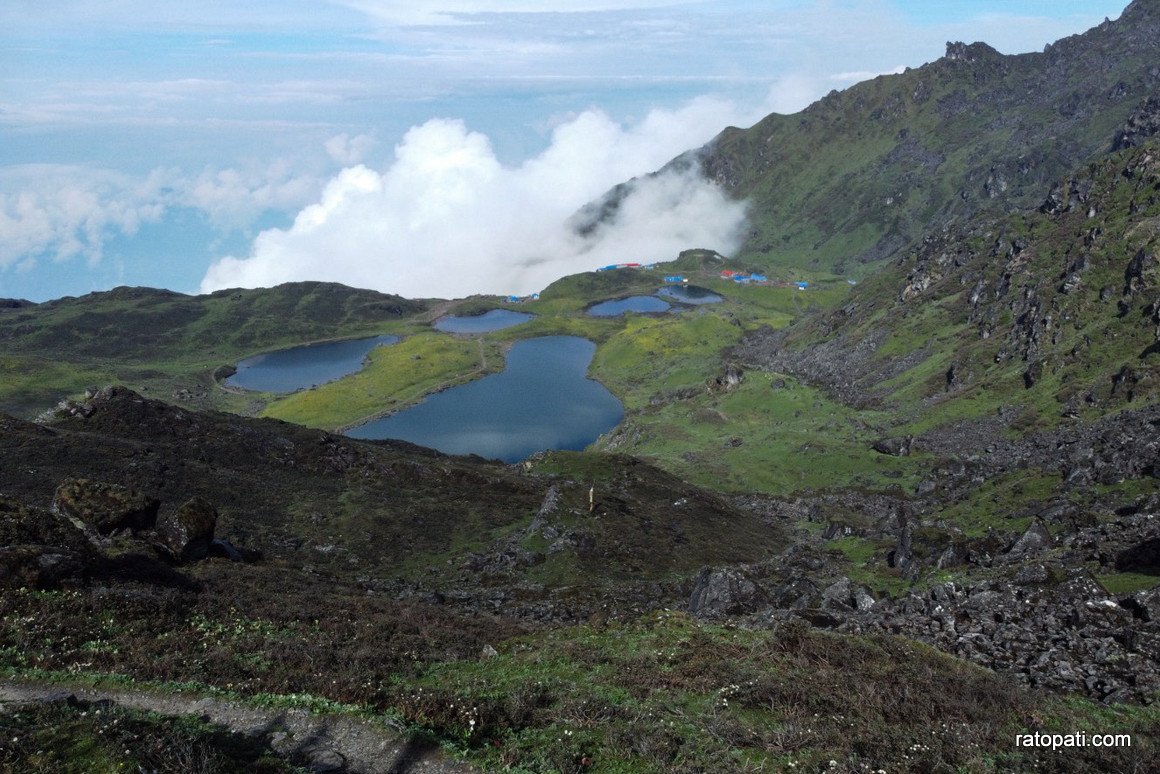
668,693
1002,503
395,376
658,692
867,565
653,354
791,438
1128,582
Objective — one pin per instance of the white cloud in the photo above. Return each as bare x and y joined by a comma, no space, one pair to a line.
864,75
439,12
347,150
65,212
448,219
234,198
792,93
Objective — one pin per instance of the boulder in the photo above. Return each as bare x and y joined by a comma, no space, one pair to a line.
723,591
839,595
902,557
1032,575
863,601
797,594
1139,272
22,525
844,595
188,532
729,381
1034,541
895,447
953,555
103,507
1033,374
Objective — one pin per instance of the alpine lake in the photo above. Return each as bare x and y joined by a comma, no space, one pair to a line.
542,399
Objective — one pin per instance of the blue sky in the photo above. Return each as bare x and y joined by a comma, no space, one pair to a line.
191,145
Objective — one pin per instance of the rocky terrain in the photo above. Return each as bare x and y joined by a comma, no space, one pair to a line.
1022,350
128,519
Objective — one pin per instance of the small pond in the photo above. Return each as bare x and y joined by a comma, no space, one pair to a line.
307,366
642,304
690,294
493,320
542,400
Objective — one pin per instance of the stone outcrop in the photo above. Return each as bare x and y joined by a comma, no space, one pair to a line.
729,380
1142,124
1071,636
723,591
1027,605
895,447
188,532
104,508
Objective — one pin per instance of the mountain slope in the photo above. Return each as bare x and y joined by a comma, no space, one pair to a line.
389,512
860,174
1052,313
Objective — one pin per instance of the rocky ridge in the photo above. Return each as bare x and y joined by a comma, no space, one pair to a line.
974,131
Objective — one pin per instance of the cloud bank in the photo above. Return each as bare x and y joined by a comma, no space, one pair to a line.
59,212
447,219
62,212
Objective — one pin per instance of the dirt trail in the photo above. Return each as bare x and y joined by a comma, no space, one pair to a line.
322,743
438,310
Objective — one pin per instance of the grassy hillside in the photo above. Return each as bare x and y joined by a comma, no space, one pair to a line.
166,342
861,174
1050,314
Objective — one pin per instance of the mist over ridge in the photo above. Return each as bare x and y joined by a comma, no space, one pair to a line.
447,218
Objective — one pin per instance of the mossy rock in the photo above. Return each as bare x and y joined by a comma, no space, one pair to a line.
188,532
105,507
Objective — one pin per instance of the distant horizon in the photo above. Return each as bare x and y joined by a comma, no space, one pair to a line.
410,146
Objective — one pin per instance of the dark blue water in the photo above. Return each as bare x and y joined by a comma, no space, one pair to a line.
690,294
542,400
297,368
630,304
494,320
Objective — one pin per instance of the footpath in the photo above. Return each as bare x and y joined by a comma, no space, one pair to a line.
319,742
